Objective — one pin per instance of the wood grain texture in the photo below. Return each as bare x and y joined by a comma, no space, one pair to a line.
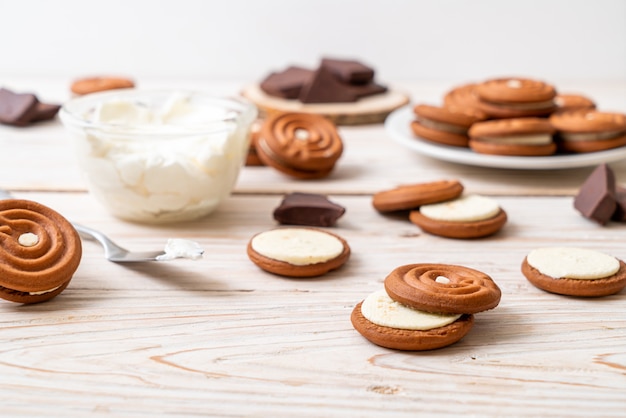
220,337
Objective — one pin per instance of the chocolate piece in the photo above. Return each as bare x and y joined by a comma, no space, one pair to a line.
17,109
45,111
349,71
620,211
308,209
368,89
596,198
286,84
324,87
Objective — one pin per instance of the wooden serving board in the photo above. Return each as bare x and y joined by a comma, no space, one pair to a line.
369,110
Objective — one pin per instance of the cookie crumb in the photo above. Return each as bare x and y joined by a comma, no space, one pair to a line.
384,390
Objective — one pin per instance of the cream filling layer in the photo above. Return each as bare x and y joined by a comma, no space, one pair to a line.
469,208
591,136
573,263
381,310
442,126
297,246
535,139
525,106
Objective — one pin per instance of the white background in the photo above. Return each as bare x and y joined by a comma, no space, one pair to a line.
245,39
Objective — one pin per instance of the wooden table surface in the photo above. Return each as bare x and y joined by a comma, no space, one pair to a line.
220,337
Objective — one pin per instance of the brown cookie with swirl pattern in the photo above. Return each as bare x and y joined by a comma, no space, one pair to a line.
301,145
411,196
96,84
515,97
39,251
442,288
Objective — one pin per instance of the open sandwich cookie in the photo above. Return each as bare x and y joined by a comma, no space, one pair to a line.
425,306
298,252
574,271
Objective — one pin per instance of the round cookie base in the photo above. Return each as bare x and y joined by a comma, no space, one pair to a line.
411,340
591,146
492,148
461,230
27,298
368,110
576,287
282,268
439,137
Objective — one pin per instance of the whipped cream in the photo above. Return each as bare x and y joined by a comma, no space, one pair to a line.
573,263
164,161
181,248
297,246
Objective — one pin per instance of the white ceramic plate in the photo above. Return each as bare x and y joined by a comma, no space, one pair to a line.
398,123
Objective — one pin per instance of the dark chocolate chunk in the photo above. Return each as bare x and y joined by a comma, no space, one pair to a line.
349,71
620,211
324,87
368,89
45,111
17,109
308,209
596,198
286,84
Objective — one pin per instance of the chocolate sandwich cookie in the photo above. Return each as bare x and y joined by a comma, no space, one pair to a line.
515,97
425,306
412,196
442,125
298,252
309,209
95,84
589,131
301,145
39,251
596,198
517,136
469,216
574,271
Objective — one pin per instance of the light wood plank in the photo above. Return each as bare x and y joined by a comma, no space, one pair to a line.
220,337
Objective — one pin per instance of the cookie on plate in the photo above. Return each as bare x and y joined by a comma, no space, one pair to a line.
412,196
574,271
300,145
425,306
569,102
468,216
298,252
442,125
464,98
515,97
516,136
39,251
589,130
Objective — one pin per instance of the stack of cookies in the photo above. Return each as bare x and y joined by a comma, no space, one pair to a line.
518,116
425,306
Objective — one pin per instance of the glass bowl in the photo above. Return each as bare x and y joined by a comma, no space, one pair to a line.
159,156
